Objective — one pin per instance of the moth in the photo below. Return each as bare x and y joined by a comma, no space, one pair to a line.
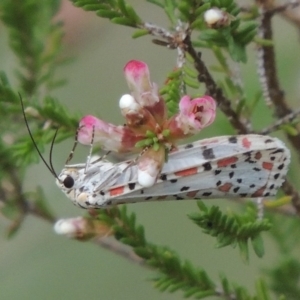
242,166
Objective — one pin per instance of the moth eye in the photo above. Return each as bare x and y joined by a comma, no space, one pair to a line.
68,182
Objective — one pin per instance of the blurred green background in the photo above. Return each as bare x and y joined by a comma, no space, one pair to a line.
36,263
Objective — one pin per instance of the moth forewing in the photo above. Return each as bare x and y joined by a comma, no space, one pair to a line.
222,167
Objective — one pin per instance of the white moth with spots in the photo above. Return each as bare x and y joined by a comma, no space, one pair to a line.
247,166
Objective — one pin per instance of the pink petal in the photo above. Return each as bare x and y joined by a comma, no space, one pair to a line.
179,126
193,116
185,104
144,92
150,165
138,77
111,137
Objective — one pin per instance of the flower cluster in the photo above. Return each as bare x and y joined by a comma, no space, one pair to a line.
147,126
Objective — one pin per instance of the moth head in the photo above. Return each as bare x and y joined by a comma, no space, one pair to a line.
66,180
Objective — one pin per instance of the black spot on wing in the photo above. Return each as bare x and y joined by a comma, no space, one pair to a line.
268,141
281,167
239,180
207,166
208,153
231,174
277,151
236,189
188,146
217,172
248,159
163,177
173,180
206,194
232,140
131,186
184,188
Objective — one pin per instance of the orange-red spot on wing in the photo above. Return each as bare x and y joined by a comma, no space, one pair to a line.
192,194
267,165
246,143
117,191
187,172
162,197
210,142
225,187
259,192
258,155
227,161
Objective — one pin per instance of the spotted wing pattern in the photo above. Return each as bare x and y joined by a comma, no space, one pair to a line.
223,167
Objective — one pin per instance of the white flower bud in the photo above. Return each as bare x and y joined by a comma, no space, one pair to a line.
70,227
216,17
128,105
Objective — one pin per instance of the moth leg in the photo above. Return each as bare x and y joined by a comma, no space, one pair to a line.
88,160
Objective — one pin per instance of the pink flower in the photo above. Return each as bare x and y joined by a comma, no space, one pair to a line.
147,127
193,116
200,111
109,136
145,93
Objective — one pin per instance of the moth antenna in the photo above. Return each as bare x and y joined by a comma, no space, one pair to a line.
74,146
50,167
51,152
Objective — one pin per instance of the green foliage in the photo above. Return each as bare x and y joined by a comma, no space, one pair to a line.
174,274
36,42
119,11
232,229
285,277
171,91
234,36
177,83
